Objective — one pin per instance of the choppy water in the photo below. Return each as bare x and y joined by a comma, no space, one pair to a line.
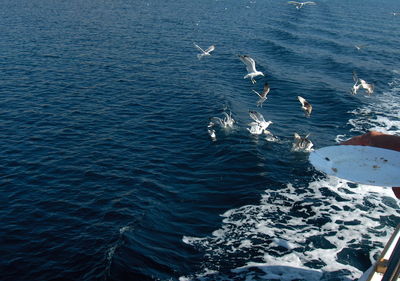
107,171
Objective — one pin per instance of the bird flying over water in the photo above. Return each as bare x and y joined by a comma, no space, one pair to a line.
263,95
300,5
359,47
204,53
259,125
251,68
305,105
302,143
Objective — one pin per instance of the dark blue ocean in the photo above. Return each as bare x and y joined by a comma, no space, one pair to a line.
107,170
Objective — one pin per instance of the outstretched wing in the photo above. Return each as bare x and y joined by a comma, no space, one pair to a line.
257,93
293,2
198,47
216,121
355,78
256,116
309,2
210,49
266,90
249,62
305,103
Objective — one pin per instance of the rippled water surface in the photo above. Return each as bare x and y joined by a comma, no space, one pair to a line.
107,170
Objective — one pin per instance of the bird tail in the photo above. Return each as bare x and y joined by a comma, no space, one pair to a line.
199,56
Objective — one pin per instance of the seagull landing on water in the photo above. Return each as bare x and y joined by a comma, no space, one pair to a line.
251,68
204,53
259,125
305,105
263,95
358,82
369,88
302,143
300,5
226,122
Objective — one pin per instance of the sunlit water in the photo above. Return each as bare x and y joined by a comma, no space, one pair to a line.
107,169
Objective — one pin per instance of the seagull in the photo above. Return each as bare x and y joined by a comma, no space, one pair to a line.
305,105
263,95
356,86
359,47
300,5
251,68
259,125
302,143
369,88
206,52
212,134
226,122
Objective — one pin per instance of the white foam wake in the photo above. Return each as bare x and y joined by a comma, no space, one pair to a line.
306,233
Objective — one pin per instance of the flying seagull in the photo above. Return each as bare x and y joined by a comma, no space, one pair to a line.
263,95
226,122
251,68
302,143
259,125
300,5
204,53
359,47
305,105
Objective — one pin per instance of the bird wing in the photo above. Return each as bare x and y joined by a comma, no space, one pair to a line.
355,78
297,136
249,62
256,116
216,120
301,100
257,93
309,2
266,89
198,47
210,49
293,2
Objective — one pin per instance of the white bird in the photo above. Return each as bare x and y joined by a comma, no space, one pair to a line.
263,95
305,105
302,143
259,125
212,134
369,88
300,5
356,85
251,68
359,47
226,122
206,52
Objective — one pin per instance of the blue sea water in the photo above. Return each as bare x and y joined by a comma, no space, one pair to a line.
107,171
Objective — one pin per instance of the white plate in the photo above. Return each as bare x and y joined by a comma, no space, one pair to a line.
360,164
